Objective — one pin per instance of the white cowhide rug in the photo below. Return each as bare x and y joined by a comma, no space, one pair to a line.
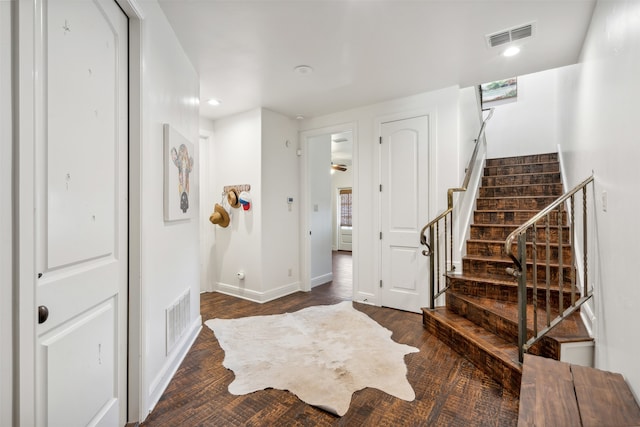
322,354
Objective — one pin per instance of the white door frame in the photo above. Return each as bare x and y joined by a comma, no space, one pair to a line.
305,212
431,200
30,126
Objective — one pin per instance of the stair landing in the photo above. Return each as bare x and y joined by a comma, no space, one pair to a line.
559,394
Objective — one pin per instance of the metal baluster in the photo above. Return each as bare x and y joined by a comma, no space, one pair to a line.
522,295
446,240
534,249
451,247
438,254
560,263
548,269
584,233
432,303
573,252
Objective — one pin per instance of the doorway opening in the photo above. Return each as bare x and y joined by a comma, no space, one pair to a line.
328,210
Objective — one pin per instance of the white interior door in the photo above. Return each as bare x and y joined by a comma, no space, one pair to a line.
81,235
404,192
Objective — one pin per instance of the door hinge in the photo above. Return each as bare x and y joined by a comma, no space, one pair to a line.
380,140
380,283
381,188
381,235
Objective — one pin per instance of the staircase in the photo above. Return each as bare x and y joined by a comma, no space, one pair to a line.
480,317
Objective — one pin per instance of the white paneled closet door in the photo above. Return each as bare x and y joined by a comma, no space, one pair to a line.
403,208
81,231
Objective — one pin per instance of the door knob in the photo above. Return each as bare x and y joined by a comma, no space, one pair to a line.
43,314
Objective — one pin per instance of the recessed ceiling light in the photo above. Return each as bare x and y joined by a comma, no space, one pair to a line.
511,51
303,69
214,102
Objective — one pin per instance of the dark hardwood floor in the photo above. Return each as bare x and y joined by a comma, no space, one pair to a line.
450,391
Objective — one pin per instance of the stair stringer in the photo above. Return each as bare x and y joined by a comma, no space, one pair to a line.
587,310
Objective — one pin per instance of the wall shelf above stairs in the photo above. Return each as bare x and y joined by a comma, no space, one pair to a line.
480,317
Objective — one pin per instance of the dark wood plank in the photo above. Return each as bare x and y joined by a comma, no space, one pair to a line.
604,398
547,397
450,391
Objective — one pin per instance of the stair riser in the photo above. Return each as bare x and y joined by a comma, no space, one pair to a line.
522,190
519,203
491,365
497,269
534,158
500,326
497,249
521,169
488,232
514,217
508,293
527,179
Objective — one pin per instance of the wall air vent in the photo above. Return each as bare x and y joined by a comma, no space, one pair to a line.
512,34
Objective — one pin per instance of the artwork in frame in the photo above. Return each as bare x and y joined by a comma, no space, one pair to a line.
499,90
179,166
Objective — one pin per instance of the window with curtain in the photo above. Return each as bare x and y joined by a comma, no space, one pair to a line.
345,207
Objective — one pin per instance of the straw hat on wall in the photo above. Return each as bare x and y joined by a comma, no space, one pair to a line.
220,216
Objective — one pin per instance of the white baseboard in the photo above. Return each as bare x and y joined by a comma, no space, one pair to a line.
320,280
366,298
255,296
161,381
578,353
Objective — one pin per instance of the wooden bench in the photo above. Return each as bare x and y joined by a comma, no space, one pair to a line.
555,393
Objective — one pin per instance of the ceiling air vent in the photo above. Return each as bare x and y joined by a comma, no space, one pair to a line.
516,33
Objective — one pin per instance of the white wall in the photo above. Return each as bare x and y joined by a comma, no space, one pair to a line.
238,156
169,250
258,148
339,179
6,250
601,130
442,106
281,229
319,155
529,125
469,123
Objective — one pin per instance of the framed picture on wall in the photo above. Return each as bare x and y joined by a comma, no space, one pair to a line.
179,165
500,91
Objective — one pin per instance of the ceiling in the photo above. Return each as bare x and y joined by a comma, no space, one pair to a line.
362,51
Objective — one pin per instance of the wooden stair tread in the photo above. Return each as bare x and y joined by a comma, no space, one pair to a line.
524,174
571,329
529,211
520,185
514,197
507,351
611,404
499,281
549,162
546,394
514,226
507,259
558,393
553,244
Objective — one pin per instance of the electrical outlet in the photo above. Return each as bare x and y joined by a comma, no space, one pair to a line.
290,272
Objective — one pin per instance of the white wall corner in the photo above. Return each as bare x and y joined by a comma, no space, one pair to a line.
161,381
